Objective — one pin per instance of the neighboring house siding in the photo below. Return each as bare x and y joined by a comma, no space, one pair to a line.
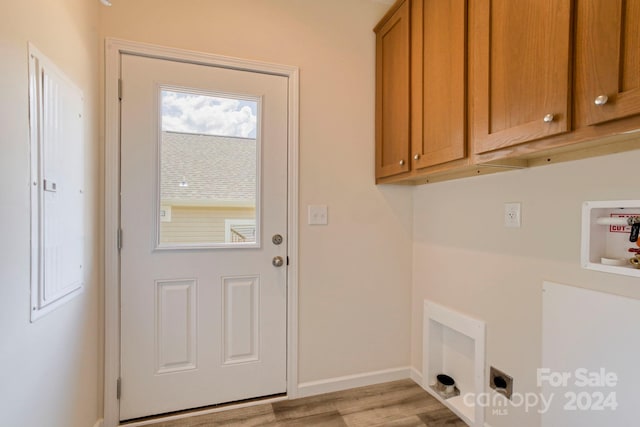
200,224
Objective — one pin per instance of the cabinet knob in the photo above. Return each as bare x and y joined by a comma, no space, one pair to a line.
601,100
416,157
401,162
548,118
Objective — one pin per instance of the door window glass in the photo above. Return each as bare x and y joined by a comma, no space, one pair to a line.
209,151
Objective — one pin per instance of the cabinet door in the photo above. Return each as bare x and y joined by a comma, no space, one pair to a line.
520,71
393,93
607,60
438,81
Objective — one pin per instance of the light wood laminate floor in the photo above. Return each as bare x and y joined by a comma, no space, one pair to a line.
398,403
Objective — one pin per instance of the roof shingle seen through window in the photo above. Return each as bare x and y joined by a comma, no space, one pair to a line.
216,169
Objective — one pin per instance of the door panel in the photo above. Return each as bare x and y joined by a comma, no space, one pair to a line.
607,60
393,92
438,82
520,71
241,327
175,332
203,319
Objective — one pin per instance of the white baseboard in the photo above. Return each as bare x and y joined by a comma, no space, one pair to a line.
329,385
99,423
416,376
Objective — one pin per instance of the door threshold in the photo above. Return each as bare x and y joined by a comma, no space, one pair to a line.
204,410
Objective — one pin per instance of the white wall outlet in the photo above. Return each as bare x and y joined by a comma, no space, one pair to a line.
512,215
318,215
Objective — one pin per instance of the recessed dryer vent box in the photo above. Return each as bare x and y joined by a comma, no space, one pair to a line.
605,237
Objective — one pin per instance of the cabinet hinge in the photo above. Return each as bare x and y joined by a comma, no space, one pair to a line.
120,89
118,388
119,239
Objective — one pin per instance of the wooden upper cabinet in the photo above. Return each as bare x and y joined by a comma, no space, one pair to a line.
438,125
607,60
393,92
520,71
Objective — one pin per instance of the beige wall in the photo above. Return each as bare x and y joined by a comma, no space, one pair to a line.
51,367
464,257
354,273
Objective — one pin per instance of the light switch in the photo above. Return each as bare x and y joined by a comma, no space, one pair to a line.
318,215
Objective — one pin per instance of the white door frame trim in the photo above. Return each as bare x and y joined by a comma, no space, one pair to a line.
113,50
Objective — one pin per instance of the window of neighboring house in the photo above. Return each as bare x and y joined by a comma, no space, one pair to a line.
239,230
165,213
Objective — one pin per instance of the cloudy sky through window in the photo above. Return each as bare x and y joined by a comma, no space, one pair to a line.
192,113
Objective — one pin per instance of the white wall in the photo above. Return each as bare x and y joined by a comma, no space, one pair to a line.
50,368
355,273
464,257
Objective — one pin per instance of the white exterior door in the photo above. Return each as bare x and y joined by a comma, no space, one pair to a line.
203,201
